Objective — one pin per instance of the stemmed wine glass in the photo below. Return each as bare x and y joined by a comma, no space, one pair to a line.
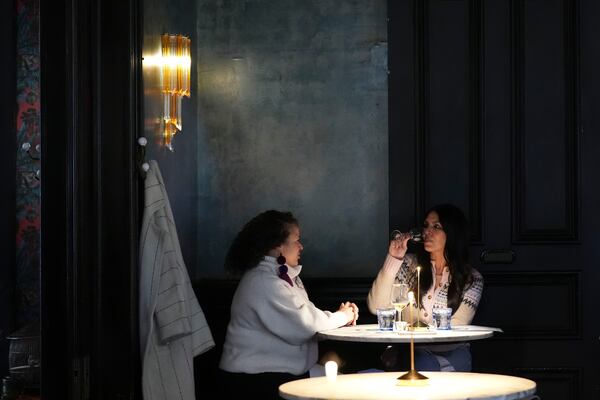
399,298
416,234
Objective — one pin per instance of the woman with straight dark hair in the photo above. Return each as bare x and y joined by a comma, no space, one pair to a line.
447,280
271,336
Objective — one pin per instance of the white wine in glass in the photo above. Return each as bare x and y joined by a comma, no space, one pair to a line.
399,298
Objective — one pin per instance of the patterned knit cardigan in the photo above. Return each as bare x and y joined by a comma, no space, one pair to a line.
470,296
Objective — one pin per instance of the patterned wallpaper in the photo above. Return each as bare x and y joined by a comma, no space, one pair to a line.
27,183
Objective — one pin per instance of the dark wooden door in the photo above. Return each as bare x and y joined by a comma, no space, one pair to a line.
90,65
493,107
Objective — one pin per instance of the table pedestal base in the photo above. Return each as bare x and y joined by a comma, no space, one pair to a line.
412,378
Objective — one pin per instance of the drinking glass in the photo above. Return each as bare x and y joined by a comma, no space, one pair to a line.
399,298
416,234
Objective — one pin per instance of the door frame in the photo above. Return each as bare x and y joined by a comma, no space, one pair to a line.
90,117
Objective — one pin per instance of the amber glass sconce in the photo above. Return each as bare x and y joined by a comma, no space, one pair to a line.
175,73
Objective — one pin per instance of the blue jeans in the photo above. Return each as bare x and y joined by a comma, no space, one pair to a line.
428,358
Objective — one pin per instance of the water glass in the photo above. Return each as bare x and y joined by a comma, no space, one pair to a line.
386,318
442,318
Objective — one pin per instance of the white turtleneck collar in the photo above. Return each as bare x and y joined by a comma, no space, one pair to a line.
292,272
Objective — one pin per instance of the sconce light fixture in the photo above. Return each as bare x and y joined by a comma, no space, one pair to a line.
175,71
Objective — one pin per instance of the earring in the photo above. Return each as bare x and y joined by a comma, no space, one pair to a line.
281,259
283,269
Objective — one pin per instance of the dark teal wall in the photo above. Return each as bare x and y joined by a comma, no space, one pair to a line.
179,168
291,114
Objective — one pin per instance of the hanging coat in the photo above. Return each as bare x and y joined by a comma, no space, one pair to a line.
173,329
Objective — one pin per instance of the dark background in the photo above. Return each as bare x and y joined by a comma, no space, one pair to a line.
288,110
492,105
8,113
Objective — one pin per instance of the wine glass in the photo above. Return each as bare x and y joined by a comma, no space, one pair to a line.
415,234
399,298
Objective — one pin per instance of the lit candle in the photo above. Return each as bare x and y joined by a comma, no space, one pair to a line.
418,293
411,299
331,368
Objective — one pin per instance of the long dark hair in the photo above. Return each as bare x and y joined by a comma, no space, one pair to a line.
259,235
456,253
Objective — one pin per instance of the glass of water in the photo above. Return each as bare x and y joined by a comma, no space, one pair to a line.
442,317
386,318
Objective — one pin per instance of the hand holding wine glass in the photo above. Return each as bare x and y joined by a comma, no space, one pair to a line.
399,242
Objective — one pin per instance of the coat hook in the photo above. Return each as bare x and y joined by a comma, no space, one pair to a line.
141,156
26,147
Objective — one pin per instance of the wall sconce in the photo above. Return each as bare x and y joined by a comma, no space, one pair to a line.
175,67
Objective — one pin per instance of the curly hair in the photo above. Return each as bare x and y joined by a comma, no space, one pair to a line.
262,233
456,253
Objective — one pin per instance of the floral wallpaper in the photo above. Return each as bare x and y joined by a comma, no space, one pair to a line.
28,163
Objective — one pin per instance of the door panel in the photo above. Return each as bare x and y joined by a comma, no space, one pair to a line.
499,92
546,124
446,156
536,318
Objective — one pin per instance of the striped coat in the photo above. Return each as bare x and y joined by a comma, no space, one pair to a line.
173,329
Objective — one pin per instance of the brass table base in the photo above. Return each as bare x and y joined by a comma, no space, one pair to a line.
413,378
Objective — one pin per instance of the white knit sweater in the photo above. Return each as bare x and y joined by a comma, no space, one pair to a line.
273,325
395,270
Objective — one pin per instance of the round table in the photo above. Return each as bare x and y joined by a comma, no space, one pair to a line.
371,333
384,385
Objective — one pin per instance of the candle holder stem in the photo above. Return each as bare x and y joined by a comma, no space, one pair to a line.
419,324
412,377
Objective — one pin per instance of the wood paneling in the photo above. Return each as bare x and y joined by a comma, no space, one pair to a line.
449,137
554,383
502,92
532,305
546,123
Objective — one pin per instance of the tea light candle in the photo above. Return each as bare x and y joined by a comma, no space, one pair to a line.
331,369
418,281
411,301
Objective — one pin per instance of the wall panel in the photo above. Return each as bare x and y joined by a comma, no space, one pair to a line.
546,121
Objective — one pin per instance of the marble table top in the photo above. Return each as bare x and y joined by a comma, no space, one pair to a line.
384,385
371,333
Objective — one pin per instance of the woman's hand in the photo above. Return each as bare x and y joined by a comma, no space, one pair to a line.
351,310
355,310
399,245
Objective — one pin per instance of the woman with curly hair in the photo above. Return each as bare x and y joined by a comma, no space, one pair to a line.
271,336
